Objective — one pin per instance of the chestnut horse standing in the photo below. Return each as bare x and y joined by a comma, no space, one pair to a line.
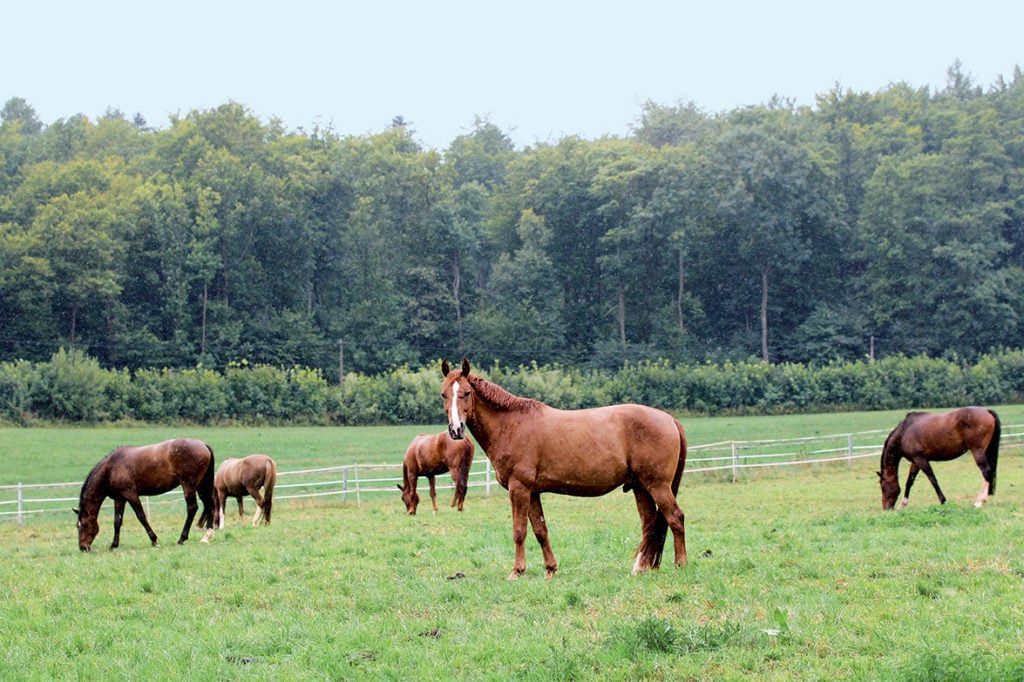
430,455
537,449
239,477
923,437
129,472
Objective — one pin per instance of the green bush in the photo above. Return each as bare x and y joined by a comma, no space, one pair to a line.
73,387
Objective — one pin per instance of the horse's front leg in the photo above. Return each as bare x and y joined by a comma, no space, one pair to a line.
241,507
540,529
191,507
927,469
118,519
140,514
911,475
433,492
519,496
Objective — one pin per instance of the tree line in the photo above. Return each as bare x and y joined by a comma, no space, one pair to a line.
872,224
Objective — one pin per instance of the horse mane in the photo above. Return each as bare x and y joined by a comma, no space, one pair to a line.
891,450
88,484
495,395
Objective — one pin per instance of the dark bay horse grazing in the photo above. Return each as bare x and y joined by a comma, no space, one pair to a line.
130,472
538,449
240,477
430,455
923,437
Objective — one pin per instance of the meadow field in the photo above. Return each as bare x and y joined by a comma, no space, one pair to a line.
794,574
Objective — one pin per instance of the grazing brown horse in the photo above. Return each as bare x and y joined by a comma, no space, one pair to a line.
129,472
240,477
923,437
430,455
538,449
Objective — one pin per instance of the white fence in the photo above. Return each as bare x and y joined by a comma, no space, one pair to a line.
352,482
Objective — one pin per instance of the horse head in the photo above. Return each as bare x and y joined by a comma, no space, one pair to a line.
88,528
458,398
890,490
410,497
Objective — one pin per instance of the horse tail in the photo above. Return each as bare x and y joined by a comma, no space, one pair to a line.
269,479
992,452
207,494
677,479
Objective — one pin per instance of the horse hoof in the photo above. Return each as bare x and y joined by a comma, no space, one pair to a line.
514,575
549,574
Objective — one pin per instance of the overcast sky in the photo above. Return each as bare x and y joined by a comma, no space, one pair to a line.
539,70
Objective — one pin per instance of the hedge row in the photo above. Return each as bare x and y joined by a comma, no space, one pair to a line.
72,387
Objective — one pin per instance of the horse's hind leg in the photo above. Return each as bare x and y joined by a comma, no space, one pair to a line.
986,477
652,533
673,516
255,494
191,507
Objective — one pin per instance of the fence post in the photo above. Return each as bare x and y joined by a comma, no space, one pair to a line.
735,460
20,508
849,449
487,478
344,484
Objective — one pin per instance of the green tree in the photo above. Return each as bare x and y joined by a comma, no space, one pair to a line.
520,319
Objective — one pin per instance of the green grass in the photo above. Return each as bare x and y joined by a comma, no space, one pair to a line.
794,574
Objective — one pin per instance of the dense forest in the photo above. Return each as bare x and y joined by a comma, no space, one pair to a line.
868,225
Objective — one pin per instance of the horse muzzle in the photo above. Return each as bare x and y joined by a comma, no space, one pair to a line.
457,432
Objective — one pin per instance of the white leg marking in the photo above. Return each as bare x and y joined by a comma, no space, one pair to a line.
903,503
982,496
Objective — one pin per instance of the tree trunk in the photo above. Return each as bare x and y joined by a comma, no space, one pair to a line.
679,298
202,342
764,314
456,285
622,318
74,319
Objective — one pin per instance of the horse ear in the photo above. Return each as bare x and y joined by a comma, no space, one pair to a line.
465,367
77,513
879,473
445,368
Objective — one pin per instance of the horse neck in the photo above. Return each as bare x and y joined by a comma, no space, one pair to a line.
497,414
94,490
890,463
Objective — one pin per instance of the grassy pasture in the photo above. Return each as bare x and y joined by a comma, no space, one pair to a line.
794,574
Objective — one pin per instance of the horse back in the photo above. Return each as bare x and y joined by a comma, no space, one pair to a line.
236,475
157,468
946,435
592,451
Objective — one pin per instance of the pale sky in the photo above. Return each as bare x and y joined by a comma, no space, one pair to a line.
538,69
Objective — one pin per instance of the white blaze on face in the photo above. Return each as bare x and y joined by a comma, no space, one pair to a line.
454,419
